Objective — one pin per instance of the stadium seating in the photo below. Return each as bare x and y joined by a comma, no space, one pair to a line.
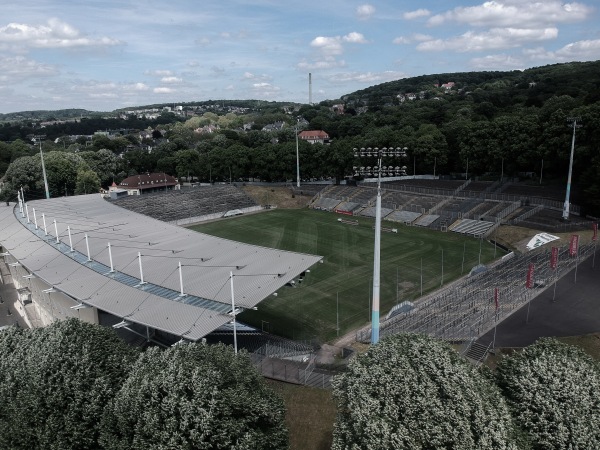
194,202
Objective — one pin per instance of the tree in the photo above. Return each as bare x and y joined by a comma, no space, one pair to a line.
553,391
194,396
55,383
87,182
104,162
414,392
61,171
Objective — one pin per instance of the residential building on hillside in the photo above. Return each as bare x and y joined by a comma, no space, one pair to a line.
314,136
147,182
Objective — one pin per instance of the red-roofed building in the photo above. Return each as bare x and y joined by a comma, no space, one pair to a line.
314,136
148,182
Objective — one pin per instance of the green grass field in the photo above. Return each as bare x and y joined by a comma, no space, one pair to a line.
340,289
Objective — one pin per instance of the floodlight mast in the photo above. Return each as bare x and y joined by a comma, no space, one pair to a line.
39,139
397,152
297,160
567,205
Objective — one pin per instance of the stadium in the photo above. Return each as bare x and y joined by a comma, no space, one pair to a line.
84,257
129,263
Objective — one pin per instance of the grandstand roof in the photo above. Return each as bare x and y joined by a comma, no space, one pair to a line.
206,264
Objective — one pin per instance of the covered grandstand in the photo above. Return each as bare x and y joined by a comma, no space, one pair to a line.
84,257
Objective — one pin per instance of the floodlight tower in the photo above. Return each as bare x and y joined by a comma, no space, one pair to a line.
379,154
39,138
568,194
297,159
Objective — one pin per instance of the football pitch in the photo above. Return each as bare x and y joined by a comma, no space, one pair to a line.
334,298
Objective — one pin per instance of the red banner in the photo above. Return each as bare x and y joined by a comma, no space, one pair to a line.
496,298
554,258
595,228
529,283
574,245
341,211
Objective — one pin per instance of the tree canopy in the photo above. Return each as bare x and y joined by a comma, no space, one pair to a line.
194,396
553,390
55,382
414,392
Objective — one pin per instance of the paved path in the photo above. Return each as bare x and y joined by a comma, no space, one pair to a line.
575,311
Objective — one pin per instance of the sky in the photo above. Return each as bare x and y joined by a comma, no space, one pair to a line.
108,54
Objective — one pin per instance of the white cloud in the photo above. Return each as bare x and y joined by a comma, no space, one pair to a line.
136,87
56,34
333,45
366,77
401,40
159,73
257,78
18,68
497,62
203,41
496,38
416,37
515,13
328,45
365,12
411,15
354,38
325,63
163,90
588,50
170,80
265,90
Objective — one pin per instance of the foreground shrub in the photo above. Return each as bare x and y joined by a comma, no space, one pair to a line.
195,396
55,383
554,391
414,392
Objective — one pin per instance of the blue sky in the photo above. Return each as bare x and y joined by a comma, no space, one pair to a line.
104,55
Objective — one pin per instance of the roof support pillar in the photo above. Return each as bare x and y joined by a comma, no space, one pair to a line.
56,231
181,281
112,269
70,240
87,246
141,270
44,221
35,219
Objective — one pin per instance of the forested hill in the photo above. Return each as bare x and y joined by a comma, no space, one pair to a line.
43,115
531,87
480,124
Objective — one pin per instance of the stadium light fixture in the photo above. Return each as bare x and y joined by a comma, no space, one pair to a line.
394,152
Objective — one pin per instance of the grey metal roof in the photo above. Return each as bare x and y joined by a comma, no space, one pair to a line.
206,264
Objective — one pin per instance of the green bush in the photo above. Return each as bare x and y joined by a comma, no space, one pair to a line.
554,392
414,392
